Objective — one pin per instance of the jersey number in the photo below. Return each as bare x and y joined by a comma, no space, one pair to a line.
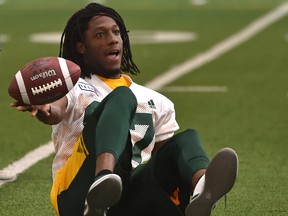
142,126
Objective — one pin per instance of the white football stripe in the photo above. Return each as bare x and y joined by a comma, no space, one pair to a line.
22,88
66,74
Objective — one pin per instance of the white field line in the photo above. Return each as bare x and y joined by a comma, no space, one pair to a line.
29,159
4,38
219,49
194,89
136,37
198,2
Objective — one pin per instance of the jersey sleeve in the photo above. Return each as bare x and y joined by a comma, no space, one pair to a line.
165,121
71,99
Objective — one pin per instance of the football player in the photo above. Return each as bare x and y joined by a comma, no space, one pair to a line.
117,152
165,167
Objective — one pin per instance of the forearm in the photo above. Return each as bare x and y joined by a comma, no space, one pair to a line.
49,114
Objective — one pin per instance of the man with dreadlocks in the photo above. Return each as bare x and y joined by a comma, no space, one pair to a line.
96,39
124,159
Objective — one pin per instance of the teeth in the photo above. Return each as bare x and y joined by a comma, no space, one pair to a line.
115,52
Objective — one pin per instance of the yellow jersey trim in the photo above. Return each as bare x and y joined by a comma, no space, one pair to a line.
124,80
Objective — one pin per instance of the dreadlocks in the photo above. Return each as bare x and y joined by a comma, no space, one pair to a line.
74,32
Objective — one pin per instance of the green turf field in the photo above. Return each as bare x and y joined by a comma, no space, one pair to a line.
250,116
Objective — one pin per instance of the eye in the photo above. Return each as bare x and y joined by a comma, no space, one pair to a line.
116,32
99,34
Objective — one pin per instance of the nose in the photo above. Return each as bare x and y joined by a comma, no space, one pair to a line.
113,39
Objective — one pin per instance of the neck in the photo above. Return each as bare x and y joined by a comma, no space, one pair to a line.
109,74
114,76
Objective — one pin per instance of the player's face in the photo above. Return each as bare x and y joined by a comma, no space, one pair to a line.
102,47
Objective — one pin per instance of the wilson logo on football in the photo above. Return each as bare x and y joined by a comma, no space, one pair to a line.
44,80
47,87
43,75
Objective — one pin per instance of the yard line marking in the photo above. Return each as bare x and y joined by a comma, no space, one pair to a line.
135,37
46,150
198,2
194,89
29,159
219,49
4,38
157,37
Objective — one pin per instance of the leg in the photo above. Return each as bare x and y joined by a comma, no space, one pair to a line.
184,158
112,118
170,168
195,178
146,197
219,179
116,117
113,115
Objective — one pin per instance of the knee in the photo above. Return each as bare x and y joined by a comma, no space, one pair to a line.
125,96
187,137
190,133
122,90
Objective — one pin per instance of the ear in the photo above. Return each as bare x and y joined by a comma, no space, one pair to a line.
81,48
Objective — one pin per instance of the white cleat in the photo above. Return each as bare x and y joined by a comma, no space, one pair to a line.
103,193
7,176
219,179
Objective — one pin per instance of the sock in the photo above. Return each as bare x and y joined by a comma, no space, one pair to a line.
199,186
103,172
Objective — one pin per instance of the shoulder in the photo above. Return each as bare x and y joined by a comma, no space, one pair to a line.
144,92
82,91
156,102
82,87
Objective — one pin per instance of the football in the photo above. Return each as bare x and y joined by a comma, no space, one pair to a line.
44,80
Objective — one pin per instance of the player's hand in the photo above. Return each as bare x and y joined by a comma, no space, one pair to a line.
36,110
21,107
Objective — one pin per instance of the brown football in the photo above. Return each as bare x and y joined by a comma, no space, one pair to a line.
44,80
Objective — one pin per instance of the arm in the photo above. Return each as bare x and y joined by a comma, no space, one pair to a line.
165,123
50,114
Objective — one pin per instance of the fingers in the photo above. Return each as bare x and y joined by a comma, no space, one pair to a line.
39,110
34,111
21,107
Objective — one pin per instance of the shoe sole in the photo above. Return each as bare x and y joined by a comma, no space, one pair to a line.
220,177
103,193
